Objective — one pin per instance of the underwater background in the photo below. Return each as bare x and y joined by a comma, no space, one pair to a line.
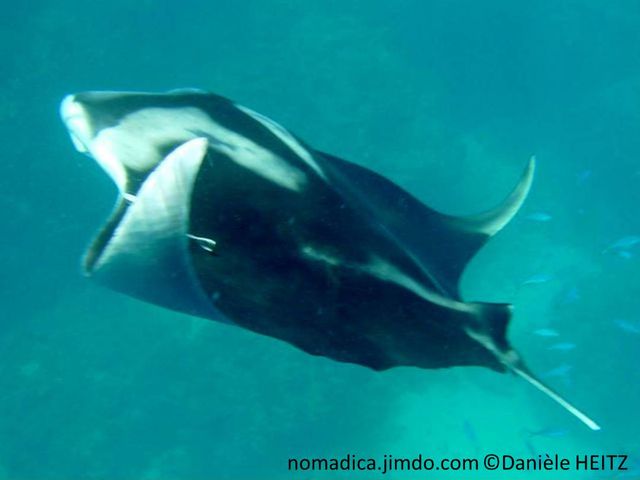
447,98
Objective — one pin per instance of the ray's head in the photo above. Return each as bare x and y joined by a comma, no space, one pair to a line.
128,133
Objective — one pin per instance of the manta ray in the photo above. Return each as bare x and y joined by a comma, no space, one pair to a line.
224,214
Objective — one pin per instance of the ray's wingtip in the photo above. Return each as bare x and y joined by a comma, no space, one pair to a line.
526,181
531,167
492,221
527,176
531,164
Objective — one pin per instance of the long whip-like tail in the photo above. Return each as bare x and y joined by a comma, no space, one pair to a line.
530,378
512,362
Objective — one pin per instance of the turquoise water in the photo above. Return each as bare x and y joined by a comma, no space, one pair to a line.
447,98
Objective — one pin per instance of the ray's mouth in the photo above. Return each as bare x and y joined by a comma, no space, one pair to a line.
78,123
106,233
75,119
155,216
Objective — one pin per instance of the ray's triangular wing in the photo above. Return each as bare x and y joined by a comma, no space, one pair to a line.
441,244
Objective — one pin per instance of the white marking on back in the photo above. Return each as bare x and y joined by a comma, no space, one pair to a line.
309,251
383,270
134,142
286,138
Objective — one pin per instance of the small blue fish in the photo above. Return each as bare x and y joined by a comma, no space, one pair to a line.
470,433
627,326
549,432
530,448
546,332
539,217
623,243
572,295
537,279
562,346
583,176
560,371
